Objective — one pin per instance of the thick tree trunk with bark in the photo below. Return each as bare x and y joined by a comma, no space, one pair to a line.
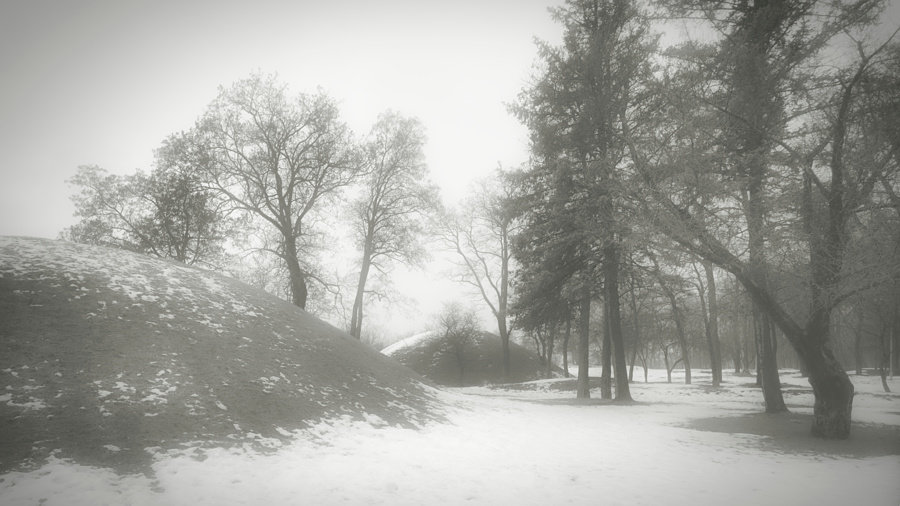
295,272
771,382
611,278
832,387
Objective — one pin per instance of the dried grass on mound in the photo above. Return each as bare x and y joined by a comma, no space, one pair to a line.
436,358
109,357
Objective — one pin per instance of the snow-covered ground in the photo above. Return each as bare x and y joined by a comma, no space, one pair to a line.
503,447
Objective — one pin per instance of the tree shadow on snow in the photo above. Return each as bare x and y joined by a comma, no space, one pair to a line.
789,433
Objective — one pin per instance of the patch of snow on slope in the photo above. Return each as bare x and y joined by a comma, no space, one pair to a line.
409,342
138,278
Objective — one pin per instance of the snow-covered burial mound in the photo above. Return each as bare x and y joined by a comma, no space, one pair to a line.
478,361
109,357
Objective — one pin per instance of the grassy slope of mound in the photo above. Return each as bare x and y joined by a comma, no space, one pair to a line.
108,356
435,357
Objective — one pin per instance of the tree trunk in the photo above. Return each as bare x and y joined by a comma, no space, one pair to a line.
834,399
502,303
611,275
551,337
737,344
583,389
715,353
566,346
832,387
644,365
884,358
666,363
771,382
541,345
295,272
894,347
504,346
682,338
606,355
637,330
857,342
631,365
357,315
460,360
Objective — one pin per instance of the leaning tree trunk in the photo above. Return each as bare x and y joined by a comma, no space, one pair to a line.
296,273
357,315
832,387
834,397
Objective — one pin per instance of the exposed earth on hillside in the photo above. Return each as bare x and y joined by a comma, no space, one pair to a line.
112,358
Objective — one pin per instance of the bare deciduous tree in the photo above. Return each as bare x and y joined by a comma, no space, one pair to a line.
396,197
279,158
480,238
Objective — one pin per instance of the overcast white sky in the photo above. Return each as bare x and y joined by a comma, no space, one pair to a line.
103,82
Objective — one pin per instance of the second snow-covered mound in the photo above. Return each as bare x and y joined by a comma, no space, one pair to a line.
108,357
477,361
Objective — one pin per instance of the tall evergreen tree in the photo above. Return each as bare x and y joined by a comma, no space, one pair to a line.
574,111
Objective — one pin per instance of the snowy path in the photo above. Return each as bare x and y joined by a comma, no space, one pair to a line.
507,448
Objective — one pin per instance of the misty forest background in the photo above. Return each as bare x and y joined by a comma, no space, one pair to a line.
730,200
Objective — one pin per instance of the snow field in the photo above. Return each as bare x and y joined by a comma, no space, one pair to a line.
534,447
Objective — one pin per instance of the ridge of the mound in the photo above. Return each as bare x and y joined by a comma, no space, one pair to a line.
412,341
108,356
478,362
